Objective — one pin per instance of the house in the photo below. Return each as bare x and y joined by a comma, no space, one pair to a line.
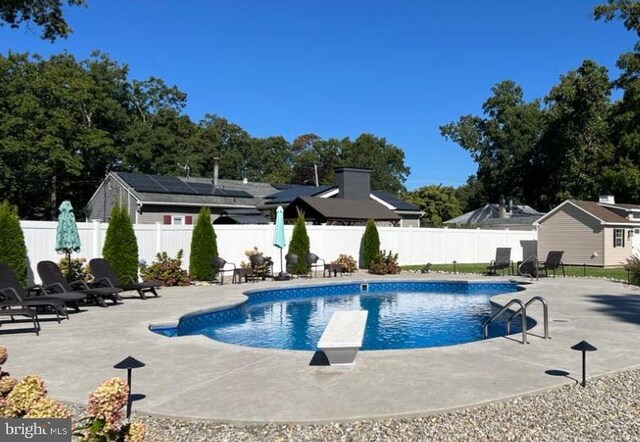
349,202
592,233
513,217
177,200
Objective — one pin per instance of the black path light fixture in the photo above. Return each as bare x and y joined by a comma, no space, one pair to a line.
129,363
584,347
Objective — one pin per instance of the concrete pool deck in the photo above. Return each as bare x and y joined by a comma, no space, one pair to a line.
195,377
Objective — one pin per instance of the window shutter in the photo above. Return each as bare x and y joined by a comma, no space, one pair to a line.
622,230
188,219
166,219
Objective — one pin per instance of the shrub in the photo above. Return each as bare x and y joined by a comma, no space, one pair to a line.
300,246
370,244
347,263
203,248
13,251
120,246
384,264
79,269
633,267
166,269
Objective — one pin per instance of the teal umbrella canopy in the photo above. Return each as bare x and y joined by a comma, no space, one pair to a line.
279,239
67,238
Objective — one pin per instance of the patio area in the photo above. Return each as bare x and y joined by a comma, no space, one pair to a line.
195,377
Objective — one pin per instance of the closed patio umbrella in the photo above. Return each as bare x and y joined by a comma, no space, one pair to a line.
280,241
67,238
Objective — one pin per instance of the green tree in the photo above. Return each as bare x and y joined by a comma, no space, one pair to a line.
13,251
300,245
439,204
120,245
503,144
471,195
203,247
44,13
370,244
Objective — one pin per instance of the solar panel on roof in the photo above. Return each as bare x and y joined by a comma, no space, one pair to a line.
202,188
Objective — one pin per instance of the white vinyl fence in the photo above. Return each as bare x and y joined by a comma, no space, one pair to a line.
413,245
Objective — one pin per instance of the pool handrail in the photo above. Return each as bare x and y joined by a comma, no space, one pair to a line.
522,308
545,315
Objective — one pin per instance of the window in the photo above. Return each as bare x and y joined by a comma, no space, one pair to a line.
618,237
177,220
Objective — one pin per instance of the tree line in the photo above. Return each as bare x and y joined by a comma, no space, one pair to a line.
576,142
65,122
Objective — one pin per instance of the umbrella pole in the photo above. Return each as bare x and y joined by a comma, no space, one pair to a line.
281,268
68,264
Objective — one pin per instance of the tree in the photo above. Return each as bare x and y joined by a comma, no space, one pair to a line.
471,195
438,202
503,144
370,244
13,251
300,245
44,13
203,247
120,245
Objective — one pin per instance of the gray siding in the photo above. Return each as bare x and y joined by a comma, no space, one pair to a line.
106,197
615,256
574,231
152,214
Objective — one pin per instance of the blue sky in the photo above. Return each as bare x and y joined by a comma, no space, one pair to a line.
395,68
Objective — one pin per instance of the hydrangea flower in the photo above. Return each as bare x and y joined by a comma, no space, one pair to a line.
107,400
47,407
3,355
6,385
136,433
25,394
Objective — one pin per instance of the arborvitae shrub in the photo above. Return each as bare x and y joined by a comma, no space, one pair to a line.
370,244
203,247
13,251
120,245
300,246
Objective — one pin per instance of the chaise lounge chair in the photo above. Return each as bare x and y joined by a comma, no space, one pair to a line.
12,295
106,277
56,284
502,261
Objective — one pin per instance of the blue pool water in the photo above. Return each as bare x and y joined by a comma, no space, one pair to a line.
401,315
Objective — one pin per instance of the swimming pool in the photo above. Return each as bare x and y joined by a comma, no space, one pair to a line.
403,314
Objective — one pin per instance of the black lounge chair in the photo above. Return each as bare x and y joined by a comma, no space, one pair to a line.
56,284
502,261
12,311
312,259
553,261
12,294
105,276
219,264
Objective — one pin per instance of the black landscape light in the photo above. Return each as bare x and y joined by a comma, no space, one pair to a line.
129,364
584,347
454,266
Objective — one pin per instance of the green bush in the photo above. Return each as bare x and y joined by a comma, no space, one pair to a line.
370,244
120,246
167,270
384,264
203,247
300,246
13,251
633,267
79,269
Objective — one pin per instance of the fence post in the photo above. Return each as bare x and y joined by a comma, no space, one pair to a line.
444,245
158,238
477,244
97,235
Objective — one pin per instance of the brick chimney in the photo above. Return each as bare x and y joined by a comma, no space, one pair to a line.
353,183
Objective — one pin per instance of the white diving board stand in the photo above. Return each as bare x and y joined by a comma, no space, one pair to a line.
343,336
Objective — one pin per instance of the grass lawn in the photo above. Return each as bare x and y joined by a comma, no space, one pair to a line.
597,272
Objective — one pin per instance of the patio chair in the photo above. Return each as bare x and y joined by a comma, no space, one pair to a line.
291,259
312,259
56,284
219,265
261,267
553,261
502,261
12,294
105,277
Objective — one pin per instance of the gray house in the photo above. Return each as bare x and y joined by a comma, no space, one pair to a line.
173,200
592,233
